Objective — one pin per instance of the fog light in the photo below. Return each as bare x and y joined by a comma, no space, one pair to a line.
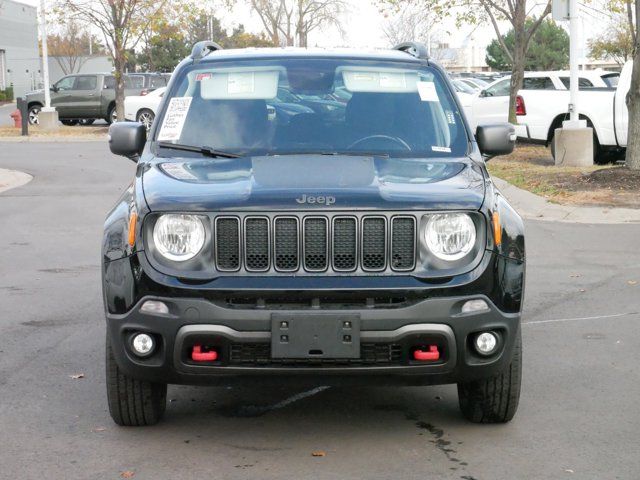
154,307
486,343
477,305
143,344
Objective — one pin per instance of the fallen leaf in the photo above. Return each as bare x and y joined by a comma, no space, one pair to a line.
98,429
77,376
318,453
568,470
127,474
632,282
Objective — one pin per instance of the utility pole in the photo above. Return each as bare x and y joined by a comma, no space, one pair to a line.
48,116
573,64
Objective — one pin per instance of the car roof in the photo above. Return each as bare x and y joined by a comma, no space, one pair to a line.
292,52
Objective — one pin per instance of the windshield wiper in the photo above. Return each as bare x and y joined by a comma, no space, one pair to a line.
204,150
330,153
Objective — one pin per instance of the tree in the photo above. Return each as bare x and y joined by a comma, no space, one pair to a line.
409,23
288,21
121,22
171,41
549,49
632,10
615,44
72,46
493,11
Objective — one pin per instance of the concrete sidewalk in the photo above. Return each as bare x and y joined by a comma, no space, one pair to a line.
530,205
12,178
5,111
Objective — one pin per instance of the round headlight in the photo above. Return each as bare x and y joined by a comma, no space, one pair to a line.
450,236
178,237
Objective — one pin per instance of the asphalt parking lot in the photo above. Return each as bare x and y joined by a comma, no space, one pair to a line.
578,416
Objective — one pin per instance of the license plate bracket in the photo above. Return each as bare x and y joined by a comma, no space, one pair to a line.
315,336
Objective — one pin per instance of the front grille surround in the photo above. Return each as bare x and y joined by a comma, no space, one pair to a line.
310,243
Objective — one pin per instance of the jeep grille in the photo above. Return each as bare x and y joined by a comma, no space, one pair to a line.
315,243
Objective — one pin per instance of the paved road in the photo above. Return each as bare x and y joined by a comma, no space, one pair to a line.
579,415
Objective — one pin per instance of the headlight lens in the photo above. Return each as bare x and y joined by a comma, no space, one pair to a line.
179,237
450,236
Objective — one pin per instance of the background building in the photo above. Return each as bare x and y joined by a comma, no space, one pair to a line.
94,64
19,57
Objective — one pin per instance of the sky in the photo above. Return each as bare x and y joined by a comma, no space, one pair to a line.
363,25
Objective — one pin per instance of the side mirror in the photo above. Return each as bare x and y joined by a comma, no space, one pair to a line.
494,140
54,88
483,93
127,139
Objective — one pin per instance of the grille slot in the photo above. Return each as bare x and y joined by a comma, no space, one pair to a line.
286,244
315,244
228,243
260,354
403,243
256,248
345,251
374,243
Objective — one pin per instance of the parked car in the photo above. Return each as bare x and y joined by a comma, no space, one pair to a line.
370,248
143,108
542,106
463,87
475,83
148,81
81,98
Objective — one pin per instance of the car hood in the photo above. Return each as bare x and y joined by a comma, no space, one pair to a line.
312,182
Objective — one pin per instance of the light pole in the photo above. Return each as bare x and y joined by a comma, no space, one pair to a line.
48,116
573,143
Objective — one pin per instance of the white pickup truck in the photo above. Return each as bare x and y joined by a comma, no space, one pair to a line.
543,104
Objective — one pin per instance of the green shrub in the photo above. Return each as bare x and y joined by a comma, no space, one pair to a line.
3,96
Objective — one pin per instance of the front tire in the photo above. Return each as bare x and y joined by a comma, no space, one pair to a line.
132,402
494,399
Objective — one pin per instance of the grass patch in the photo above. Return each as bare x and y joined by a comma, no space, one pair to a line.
532,168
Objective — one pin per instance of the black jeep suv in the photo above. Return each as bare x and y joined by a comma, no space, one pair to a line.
302,239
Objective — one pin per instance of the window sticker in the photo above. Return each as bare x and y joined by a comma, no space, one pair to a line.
441,149
203,76
427,91
239,83
174,118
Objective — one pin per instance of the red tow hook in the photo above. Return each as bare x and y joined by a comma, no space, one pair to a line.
197,355
426,356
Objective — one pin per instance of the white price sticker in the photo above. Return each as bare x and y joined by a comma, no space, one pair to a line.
174,118
427,91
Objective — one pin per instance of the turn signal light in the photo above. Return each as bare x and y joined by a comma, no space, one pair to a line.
497,228
133,218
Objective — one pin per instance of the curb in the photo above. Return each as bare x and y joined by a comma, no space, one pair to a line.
532,206
12,178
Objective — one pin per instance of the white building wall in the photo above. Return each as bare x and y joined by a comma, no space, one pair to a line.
20,60
97,64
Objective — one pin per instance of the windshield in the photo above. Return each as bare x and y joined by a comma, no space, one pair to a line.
314,105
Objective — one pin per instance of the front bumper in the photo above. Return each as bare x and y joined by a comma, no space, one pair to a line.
433,320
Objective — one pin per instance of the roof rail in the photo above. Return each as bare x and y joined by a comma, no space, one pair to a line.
202,49
415,49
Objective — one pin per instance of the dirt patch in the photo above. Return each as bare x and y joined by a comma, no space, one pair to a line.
531,167
77,131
